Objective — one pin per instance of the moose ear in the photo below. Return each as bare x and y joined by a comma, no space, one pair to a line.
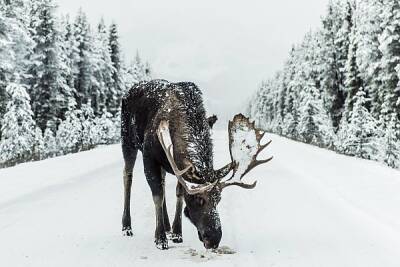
212,120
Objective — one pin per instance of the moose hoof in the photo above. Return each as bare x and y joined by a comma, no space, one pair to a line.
161,244
127,231
176,238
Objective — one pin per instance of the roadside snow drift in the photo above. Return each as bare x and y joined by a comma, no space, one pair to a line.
311,207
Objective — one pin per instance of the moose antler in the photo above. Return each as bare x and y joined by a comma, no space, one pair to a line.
165,140
244,147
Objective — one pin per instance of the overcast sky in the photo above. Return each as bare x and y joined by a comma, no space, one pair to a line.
227,47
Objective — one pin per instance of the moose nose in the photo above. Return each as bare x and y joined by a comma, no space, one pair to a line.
211,241
209,245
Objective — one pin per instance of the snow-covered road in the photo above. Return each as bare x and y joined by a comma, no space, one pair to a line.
311,207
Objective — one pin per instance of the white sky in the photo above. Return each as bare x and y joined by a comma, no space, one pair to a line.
227,47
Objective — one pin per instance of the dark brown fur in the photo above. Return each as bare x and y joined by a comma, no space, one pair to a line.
181,104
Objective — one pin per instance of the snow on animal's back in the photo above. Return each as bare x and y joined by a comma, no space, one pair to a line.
183,101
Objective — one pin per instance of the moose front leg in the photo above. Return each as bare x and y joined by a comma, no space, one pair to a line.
130,158
160,237
177,225
167,225
155,181
126,216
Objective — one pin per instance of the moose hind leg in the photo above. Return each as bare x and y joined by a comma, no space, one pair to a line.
176,235
128,173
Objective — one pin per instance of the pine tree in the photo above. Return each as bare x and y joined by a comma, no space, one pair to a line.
136,72
117,128
48,88
115,94
390,48
5,59
332,52
103,70
50,144
368,19
83,79
353,80
105,129
346,75
38,148
390,153
314,124
90,136
18,127
69,58
361,139
343,39
69,133
18,23
65,76
15,45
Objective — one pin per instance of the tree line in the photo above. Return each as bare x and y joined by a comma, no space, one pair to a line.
61,81
339,87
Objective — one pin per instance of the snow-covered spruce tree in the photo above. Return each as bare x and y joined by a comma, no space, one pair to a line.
353,59
90,136
15,45
343,39
291,103
368,20
69,133
289,108
361,138
115,92
136,71
70,55
390,48
276,108
61,63
38,147
48,88
263,102
69,58
105,128
390,150
103,70
84,75
117,127
18,127
50,144
5,59
333,50
254,106
266,104
353,81
289,126
315,126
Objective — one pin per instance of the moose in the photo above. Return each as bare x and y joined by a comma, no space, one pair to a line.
167,122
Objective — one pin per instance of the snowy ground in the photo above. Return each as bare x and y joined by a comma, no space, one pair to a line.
311,207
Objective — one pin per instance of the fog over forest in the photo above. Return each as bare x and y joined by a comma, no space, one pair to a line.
226,47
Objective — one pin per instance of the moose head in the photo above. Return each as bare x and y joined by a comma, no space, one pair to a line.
202,198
